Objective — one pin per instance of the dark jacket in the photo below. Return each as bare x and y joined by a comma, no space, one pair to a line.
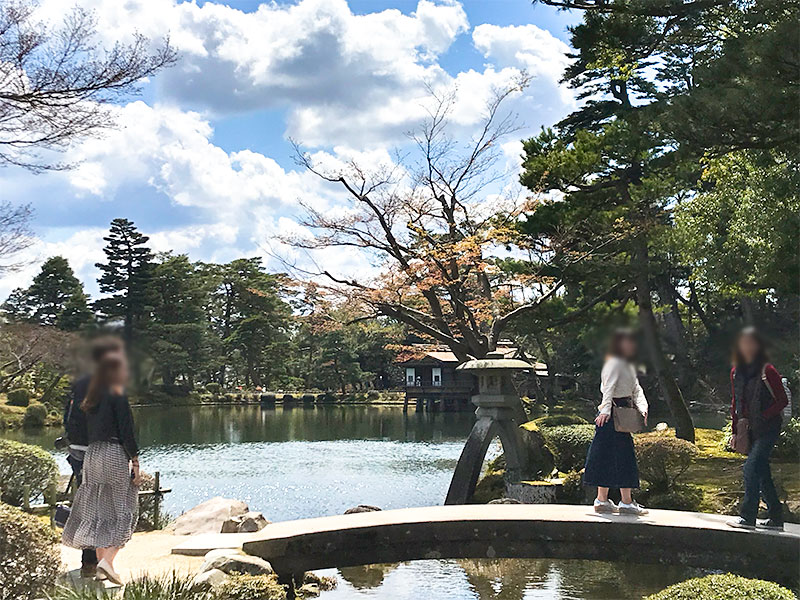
74,418
112,421
751,398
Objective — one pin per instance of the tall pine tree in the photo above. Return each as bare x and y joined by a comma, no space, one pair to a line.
125,276
55,298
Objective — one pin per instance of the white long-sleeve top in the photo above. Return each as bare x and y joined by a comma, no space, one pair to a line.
618,380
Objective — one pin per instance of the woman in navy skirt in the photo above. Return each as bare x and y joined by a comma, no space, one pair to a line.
611,462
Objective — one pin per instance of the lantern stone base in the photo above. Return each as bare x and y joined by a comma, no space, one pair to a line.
494,421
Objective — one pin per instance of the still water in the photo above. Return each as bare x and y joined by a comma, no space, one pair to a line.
309,462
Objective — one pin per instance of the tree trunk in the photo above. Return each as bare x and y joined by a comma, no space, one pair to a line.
675,332
684,426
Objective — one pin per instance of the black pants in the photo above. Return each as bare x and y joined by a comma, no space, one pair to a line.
89,555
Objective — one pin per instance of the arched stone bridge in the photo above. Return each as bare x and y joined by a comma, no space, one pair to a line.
526,531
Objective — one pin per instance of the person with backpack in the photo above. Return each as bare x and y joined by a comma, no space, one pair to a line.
757,400
76,430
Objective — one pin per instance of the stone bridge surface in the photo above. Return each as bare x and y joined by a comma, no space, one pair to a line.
527,531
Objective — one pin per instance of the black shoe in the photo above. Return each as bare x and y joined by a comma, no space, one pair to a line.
88,570
771,524
740,523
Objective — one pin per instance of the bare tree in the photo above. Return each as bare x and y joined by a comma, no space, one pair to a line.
15,234
56,84
437,223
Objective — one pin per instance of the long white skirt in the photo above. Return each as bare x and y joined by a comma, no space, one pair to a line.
106,506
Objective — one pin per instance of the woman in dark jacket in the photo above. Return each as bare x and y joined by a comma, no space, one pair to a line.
106,507
758,397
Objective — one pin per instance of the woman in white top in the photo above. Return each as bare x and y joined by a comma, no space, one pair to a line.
611,461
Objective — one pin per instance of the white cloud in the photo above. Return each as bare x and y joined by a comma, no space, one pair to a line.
345,78
351,84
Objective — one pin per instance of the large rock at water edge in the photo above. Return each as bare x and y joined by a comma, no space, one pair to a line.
246,523
239,563
209,516
209,579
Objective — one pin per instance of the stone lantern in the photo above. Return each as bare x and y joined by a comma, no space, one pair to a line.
499,413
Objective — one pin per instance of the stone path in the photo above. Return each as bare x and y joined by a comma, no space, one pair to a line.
147,553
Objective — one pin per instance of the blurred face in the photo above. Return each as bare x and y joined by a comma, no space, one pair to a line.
627,346
748,348
119,377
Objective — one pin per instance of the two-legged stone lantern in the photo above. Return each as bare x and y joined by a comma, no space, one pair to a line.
499,413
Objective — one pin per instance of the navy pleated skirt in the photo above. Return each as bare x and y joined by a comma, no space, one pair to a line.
611,461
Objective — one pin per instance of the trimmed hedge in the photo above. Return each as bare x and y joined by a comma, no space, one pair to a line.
663,459
569,445
213,388
18,397
30,557
24,465
723,587
35,415
556,420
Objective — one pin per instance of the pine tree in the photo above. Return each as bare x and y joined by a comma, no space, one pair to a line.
125,276
55,298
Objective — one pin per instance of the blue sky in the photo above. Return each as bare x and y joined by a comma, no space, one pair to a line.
201,160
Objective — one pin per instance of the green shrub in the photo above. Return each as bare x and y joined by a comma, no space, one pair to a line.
250,587
30,557
723,587
727,434
572,490
171,587
19,397
788,445
213,388
569,444
309,397
373,395
556,420
21,466
663,459
35,415
287,398
679,497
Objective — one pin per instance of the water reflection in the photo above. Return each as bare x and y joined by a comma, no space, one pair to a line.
505,579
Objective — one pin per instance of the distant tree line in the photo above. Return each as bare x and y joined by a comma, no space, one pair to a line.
191,323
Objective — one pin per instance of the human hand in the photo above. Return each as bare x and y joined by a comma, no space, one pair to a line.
137,475
601,419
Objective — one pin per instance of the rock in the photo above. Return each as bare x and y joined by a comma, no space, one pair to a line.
246,523
216,553
239,563
504,501
209,516
662,427
209,579
361,508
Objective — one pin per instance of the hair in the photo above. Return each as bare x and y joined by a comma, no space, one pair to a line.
615,343
762,357
105,345
107,367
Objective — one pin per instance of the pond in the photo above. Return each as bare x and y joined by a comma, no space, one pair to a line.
300,462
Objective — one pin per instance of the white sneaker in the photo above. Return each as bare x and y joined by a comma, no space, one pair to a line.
632,509
106,571
606,506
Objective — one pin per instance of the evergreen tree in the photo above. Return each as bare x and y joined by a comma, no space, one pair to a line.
55,298
176,334
125,276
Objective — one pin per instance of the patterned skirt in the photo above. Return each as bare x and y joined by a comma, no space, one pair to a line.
611,461
106,506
